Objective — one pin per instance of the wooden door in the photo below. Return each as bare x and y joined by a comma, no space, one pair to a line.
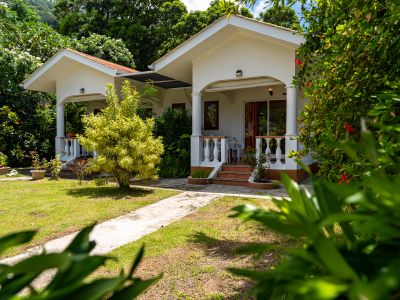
256,116
250,124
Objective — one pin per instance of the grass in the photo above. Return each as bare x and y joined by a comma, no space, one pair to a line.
60,207
194,252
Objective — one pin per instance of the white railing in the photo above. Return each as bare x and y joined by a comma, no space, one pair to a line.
71,149
214,150
273,148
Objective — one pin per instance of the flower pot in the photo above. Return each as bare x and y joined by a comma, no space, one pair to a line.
201,181
38,174
4,170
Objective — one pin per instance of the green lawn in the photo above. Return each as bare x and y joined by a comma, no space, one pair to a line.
194,252
56,208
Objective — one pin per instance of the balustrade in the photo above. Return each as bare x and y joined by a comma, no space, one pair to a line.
72,149
272,147
214,150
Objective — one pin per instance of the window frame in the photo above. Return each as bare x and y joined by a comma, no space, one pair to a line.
206,122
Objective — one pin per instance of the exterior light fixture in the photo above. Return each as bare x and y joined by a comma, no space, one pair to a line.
270,91
82,90
239,73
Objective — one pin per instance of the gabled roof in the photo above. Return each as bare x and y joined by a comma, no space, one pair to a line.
106,63
282,35
43,79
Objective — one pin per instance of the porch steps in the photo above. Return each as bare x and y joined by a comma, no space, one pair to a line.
234,175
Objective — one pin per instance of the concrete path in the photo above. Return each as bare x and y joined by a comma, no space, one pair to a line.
22,178
128,228
181,184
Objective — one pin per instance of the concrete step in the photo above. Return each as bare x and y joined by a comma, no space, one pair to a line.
231,181
236,168
234,175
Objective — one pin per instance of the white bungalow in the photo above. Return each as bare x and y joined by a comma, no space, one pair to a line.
235,76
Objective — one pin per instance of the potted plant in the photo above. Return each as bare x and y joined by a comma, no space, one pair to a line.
199,177
3,164
39,166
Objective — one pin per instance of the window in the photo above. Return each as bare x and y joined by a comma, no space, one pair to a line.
179,106
211,115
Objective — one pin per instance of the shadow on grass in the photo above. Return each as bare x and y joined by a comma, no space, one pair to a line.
109,192
214,247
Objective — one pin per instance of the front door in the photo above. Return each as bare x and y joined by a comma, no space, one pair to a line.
264,118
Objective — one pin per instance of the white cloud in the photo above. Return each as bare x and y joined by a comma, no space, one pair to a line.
196,4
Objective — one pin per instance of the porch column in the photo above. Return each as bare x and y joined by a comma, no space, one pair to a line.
291,143
60,127
195,146
291,110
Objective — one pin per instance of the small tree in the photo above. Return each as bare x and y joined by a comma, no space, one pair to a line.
124,143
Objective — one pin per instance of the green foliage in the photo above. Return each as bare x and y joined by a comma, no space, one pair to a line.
123,142
149,28
74,266
191,23
3,160
27,119
107,48
351,234
37,163
80,168
200,173
56,166
281,15
249,157
175,128
44,8
350,57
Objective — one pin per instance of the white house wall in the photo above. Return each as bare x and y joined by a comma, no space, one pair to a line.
255,57
69,83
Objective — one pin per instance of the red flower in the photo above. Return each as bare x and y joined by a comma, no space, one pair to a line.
308,84
344,179
298,62
348,128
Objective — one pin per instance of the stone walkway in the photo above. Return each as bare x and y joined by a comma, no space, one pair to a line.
21,178
181,184
128,228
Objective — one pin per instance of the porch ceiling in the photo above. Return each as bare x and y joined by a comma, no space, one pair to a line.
242,84
157,79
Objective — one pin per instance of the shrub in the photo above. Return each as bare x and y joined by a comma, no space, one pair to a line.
3,160
350,230
56,167
80,169
200,173
350,56
75,267
38,164
124,143
175,128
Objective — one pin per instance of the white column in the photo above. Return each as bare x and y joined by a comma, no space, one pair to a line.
291,143
60,127
291,110
196,114
195,146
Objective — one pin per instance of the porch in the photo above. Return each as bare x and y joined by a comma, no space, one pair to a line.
265,121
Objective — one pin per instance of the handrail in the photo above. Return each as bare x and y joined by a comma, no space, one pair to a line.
270,137
213,137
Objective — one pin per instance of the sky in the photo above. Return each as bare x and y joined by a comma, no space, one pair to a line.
203,4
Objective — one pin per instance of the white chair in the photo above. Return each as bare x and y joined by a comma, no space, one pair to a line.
235,150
